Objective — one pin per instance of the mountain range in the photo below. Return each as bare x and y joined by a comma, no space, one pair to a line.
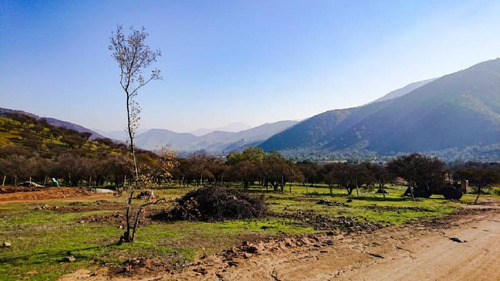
214,142
455,117
454,112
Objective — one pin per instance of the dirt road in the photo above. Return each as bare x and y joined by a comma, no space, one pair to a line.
466,249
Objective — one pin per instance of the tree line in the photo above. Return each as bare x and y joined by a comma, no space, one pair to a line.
424,175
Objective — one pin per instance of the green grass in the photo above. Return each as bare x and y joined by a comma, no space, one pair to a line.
41,239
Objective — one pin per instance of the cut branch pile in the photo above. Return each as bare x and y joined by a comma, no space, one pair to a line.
216,204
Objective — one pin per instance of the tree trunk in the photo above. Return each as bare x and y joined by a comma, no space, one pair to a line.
126,235
412,194
478,193
136,223
381,187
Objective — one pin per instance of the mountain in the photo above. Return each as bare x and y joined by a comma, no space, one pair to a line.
120,135
55,122
233,127
405,90
214,142
454,112
157,138
228,141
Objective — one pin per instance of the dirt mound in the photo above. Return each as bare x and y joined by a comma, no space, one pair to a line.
216,204
14,189
43,193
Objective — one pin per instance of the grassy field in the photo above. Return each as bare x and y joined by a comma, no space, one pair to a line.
42,238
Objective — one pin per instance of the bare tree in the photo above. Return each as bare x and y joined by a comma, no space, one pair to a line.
133,57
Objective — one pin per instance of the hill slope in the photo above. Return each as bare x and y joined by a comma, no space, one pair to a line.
54,122
456,111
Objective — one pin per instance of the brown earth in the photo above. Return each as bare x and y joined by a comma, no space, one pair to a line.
464,246
30,193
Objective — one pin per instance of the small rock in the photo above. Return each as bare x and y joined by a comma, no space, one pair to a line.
6,244
82,222
120,227
455,239
70,259
252,249
329,242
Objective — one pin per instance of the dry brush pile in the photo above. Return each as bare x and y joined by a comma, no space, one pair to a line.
216,204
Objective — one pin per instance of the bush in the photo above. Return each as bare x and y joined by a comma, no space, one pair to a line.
496,191
217,204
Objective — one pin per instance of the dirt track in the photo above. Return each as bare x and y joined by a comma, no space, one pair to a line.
415,252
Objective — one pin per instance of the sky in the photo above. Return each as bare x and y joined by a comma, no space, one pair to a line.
233,61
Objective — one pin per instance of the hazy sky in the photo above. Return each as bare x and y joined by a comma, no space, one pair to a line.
234,61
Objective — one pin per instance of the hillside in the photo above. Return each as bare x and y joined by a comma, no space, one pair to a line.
454,112
22,134
54,122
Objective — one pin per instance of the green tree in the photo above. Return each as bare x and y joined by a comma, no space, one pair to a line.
423,174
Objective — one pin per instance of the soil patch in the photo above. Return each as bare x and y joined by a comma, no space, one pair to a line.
98,205
322,222
43,193
14,189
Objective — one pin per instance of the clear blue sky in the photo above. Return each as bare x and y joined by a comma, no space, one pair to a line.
234,61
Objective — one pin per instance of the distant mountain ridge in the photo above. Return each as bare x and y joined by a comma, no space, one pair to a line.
405,90
153,139
214,142
455,111
233,127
